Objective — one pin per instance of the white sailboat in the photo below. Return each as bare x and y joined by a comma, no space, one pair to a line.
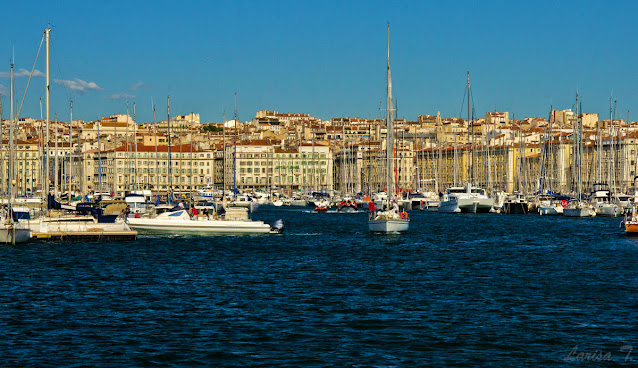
578,207
11,230
389,221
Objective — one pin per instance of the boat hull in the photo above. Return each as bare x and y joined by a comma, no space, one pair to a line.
10,235
204,227
388,226
550,210
607,210
450,206
631,228
475,205
515,208
579,212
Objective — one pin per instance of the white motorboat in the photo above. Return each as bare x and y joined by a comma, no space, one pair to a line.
58,222
470,199
244,201
235,221
601,200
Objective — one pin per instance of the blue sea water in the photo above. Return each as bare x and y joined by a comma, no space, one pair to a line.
456,290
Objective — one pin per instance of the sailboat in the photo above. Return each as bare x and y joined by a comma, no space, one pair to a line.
389,221
11,230
578,207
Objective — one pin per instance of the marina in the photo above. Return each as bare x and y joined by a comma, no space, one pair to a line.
243,184
327,291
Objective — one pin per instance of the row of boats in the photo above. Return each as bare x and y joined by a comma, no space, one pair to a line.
114,219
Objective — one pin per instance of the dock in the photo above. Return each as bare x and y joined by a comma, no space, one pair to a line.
84,236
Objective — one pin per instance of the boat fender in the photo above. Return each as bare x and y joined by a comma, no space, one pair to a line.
404,215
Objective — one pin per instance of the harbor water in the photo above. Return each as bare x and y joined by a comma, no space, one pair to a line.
456,290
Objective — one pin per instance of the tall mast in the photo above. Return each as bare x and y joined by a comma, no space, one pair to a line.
46,145
135,143
157,176
2,153
128,159
223,154
609,156
438,141
469,134
56,161
99,159
169,193
389,126
235,152
579,156
70,171
191,161
11,177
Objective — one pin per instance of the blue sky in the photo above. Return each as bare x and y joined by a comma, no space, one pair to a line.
323,58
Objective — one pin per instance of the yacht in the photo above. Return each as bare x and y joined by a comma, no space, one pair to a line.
469,199
178,221
601,199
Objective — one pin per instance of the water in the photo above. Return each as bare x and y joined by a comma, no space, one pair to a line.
457,290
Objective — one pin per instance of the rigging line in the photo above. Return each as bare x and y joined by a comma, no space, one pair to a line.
67,90
463,102
30,75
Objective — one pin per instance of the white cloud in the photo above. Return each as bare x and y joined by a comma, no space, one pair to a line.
78,85
21,73
138,85
3,90
120,96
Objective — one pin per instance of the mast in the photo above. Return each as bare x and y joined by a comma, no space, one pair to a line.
579,156
128,158
609,156
235,152
157,176
224,159
438,141
1,152
169,192
470,134
191,161
99,159
390,135
135,143
55,171
70,171
11,177
46,148
223,153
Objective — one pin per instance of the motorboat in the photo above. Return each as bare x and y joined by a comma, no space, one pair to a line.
234,221
601,200
470,199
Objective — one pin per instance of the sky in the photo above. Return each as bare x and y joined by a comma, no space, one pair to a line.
326,59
